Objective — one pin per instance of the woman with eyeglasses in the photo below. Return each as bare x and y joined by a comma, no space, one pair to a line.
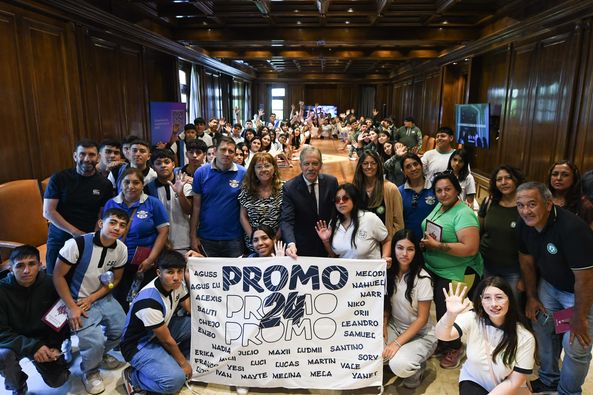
498,218
353,232
500,347
260,196
378,195
451,239
418,197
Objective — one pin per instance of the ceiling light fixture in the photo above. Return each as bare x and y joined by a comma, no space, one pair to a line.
445,22
295,11
299,22
350,10
347,22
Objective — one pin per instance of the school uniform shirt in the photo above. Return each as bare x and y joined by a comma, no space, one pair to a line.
179,221
482,339
403,314
150,215
152,307
89,258
371,232
468,187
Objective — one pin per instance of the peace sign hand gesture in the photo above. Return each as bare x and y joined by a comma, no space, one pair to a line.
456,300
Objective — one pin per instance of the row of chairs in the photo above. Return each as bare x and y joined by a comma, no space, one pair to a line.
21,210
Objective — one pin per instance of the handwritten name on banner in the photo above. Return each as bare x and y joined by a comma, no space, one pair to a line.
278,322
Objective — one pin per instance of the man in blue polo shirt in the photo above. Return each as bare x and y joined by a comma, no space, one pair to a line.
93,312
215,227
558,245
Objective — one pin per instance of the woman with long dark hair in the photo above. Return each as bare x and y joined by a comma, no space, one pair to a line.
459,165
353,232
408,328
564,181
378,195
500,347
498,218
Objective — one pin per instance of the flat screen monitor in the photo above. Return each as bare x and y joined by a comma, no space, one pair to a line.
472,123
325,109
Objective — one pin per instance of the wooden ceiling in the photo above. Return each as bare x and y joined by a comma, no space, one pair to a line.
359,38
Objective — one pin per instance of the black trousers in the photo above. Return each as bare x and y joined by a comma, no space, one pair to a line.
470,388
54,374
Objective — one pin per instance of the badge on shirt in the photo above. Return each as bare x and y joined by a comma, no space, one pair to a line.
142,214
233,183
96,192
552,249
430,200
513,224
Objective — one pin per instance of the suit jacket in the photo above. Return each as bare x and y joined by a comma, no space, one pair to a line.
299,217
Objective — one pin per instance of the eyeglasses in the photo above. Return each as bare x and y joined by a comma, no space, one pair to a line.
342,199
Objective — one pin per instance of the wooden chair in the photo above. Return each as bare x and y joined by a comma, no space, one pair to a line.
44,185
430,144
22,216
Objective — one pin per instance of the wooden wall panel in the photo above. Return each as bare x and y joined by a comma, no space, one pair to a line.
489,85
514,136
552,103
583,147
432,97
322,94
454,86
13,113
133,90
49,76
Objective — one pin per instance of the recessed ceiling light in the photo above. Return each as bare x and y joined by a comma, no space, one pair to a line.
204,23
445,22
466,59
454,63
299,22
347,22
295,11
350,10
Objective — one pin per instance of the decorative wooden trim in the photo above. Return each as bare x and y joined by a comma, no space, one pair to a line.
84,13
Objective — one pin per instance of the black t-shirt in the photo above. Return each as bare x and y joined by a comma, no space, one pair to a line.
565,244
80,197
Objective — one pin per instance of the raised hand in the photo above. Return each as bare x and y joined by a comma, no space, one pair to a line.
323,231
279,248
456,300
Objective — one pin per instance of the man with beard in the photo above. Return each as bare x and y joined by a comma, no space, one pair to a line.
73,200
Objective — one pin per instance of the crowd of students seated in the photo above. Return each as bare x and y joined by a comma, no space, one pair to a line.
215,190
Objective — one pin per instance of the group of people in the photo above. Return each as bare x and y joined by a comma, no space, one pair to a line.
526,248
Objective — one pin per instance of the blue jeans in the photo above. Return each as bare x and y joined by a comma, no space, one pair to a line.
154,369
56,238
576,357
222,248
93,340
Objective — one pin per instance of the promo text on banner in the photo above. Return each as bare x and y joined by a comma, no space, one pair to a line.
279,322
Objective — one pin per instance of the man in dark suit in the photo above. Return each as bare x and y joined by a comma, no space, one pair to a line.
307,198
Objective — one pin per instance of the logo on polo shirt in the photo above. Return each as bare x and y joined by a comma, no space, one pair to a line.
142,214
430,200
96,192
552,249
233,183
513,224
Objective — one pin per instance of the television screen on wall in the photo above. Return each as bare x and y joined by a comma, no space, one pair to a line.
325,109
472,124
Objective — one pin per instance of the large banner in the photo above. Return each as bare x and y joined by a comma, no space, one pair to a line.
279,322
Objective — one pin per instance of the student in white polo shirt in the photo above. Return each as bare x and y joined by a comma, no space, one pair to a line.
91,307
500,348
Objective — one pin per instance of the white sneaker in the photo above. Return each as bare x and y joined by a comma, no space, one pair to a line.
242,390
93,382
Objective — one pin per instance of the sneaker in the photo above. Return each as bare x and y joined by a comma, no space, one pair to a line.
93,382
452,358
538,387
21,391
415,380
67,351
127,382
242,390
109,362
